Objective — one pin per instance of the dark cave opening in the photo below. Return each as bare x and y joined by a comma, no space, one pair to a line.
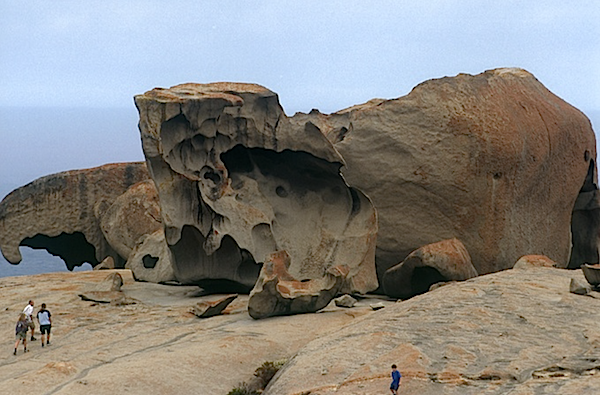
424,277
73,248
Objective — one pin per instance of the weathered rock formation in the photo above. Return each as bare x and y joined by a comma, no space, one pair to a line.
446,260
61,213
237,182
495,160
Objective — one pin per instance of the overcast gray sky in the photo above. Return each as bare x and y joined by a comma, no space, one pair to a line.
315,54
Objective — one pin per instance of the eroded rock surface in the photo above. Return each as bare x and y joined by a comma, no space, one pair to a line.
61,213
237,182
446,260
495,160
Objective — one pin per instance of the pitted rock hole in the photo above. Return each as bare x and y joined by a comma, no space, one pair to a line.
73,248
211,175
149,261
281,192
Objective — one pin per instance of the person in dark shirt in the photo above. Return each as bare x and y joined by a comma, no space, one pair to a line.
45,319
396,376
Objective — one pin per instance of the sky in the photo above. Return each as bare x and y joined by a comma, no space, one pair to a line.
69,69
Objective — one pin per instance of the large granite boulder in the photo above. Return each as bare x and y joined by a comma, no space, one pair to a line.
237,182
446,260
61,213
495,160
133,215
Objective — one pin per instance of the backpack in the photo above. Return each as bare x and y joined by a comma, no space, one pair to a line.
21,326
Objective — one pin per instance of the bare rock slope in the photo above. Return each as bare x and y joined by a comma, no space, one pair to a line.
518,331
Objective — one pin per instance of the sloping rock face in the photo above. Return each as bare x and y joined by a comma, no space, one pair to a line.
237,182
61,213
446,260
512,332
495,160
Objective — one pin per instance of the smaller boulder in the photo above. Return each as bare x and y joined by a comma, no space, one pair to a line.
529,261
377,306
277,292
107,291
210,309
447,260
592,274
579,288
151,259
345,301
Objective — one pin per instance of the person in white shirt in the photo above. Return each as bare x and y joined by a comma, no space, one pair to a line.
45,320
28,311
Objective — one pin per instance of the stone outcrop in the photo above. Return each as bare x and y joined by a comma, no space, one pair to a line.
446,260
495,160
278,293
61,213
237,182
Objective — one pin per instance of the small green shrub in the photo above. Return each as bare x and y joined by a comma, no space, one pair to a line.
267,370
263,375
242,389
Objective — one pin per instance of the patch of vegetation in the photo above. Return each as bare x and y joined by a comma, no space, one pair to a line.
262,375
243,389
267,370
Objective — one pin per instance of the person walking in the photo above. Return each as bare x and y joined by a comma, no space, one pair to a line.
28,311
396,376
21,332
45,320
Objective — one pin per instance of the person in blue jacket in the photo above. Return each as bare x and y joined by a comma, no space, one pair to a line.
396,376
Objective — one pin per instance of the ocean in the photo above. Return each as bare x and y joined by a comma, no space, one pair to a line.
36,262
